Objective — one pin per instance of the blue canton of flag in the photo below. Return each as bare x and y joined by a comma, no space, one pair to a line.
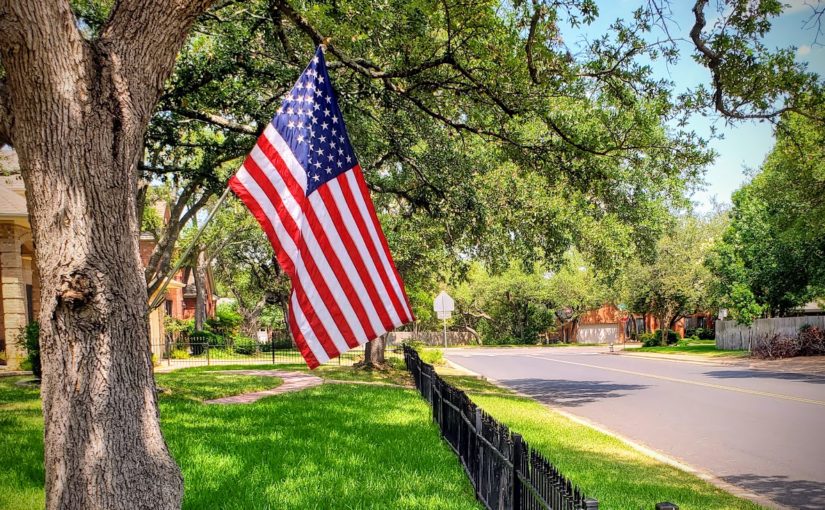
311,123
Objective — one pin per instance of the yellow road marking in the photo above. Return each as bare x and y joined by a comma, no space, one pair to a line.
686,381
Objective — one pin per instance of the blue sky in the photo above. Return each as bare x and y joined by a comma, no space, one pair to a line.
745,144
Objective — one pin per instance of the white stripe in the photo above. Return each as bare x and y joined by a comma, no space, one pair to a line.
293,207
288,245
297,171
306,330
362,208
337,244
360,244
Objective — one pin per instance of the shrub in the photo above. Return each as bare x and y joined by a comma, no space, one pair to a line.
671,338
179,354
777,346
655,339
244,345
648,340
432,356
811,341
701,333
29,339
227,319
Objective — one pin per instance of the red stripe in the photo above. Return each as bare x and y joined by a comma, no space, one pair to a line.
327,253
300,341
312,269
343,280
355,256
360,222
286,263
362,185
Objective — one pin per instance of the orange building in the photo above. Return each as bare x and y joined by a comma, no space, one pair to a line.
608,324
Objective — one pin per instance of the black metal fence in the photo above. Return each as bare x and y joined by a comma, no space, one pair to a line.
505,472
182,349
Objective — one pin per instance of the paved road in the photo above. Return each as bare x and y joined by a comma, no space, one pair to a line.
760,430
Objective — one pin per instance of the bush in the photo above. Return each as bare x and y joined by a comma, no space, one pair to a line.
701,333
244,345
29,339
811,341
672,337
648,340
179,354
655,339
775,347
431,356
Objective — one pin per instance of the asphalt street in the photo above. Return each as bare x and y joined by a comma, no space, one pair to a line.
760,430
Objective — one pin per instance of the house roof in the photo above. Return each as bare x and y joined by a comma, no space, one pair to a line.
11,203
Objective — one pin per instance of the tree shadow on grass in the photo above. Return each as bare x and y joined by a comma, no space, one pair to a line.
328,447
564,393
802,494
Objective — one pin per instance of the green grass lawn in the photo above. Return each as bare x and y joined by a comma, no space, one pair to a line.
333,446
706,348
607,469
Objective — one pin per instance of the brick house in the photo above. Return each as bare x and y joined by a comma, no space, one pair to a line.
607,323
20,289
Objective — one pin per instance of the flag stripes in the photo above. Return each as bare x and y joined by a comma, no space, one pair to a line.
345,287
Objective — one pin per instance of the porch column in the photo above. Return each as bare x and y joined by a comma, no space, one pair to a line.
14,295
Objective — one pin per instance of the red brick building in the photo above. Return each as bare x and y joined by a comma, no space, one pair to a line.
609,324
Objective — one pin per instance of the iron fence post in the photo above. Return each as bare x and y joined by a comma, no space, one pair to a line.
479,450
272,346
591,504
517,461
208,360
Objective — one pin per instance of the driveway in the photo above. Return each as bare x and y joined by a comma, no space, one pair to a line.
762,430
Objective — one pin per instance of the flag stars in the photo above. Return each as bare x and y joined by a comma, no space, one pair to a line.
335,119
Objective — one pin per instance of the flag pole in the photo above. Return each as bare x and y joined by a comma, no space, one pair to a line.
160,295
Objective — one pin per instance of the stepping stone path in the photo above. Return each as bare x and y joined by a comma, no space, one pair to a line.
293,381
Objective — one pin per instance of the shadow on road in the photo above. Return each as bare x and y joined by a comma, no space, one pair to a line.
565,393
762,374
802,494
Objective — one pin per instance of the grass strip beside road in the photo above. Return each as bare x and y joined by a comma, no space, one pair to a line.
332,446
699,348
606,468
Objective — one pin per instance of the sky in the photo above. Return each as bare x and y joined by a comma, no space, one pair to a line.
745,144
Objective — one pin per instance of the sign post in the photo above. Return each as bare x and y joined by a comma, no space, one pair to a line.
443,306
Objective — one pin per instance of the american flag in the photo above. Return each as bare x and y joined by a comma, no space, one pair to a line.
304,186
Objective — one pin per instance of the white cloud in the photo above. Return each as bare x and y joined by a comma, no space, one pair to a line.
803,50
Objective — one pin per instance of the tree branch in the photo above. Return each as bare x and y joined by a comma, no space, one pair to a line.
217,120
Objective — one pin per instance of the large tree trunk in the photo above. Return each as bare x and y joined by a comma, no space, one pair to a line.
79,110
374,353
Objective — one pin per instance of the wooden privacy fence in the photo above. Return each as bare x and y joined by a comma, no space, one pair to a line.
732,336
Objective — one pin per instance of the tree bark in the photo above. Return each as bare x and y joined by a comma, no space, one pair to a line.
374,352
77,112
200,290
